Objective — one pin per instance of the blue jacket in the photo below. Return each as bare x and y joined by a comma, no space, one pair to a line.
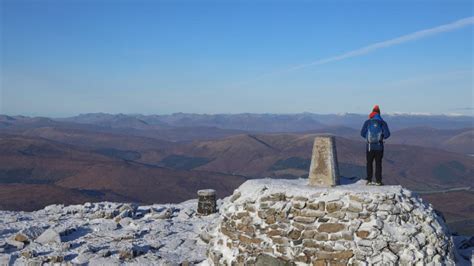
385,134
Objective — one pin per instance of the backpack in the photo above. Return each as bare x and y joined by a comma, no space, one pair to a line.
374,131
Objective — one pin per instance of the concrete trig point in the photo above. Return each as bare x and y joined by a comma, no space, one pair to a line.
324,169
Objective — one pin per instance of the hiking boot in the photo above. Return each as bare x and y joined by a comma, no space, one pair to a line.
379,184
369,183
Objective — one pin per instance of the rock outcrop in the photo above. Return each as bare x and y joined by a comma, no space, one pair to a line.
286,222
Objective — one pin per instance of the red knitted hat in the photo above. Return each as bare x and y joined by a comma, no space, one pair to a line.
376,109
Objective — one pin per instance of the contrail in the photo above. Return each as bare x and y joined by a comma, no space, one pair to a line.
379,45
402,39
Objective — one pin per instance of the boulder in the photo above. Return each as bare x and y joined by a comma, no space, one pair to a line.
132,252
16,244
55,258
29,234
166,213
49,236
83,258
21,238
28,254
104,253
6,259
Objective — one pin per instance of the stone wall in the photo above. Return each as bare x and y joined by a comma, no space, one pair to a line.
283,222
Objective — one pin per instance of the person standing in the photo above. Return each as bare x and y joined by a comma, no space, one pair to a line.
375,130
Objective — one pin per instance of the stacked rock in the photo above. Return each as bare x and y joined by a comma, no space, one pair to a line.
271,221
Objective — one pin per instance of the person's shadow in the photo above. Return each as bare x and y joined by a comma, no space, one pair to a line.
344,180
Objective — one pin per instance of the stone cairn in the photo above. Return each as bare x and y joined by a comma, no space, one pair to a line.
324,169
321,224
206,201
329,228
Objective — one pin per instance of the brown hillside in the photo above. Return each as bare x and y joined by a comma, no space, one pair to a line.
30,165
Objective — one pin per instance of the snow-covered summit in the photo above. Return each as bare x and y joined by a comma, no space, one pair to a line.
284,222
264,221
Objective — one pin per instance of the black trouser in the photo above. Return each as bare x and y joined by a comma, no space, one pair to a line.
376,155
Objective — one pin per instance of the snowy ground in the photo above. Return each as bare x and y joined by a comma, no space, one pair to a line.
300,187
106,233
160,234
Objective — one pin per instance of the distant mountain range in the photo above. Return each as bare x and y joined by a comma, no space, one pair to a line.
158,159
269,122
451,133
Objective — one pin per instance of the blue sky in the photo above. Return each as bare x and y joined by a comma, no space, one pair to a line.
61,58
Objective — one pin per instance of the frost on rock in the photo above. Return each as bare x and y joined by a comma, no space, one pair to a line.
265,222
49,236
105,233
350,224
